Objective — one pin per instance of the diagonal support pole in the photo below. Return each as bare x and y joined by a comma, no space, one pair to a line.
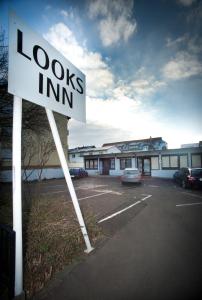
68,179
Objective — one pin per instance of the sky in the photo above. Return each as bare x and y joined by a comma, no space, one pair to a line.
142,60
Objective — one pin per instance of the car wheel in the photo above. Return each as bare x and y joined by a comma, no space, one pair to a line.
184,185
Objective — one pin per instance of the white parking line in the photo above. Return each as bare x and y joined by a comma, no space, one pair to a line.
126,208
92,196
53,192
154,186
57,185
89,186
108,191
189,204
192,195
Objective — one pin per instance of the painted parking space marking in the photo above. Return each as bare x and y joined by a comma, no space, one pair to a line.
53,192
189,204
89,186
154,186
108,191
192,195
57,185
124,209
92,196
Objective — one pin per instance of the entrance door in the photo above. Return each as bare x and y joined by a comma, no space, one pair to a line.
105,170
146,166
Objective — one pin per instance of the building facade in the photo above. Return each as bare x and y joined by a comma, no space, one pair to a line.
159,162
76,157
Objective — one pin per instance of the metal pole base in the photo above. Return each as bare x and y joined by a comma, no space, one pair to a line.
87,251
21,296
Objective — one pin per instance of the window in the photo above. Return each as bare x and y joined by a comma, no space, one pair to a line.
165,162
174,161
183,161
95,165
125,163
155,163
91,164
87,164
73,155
196,160
170,162
196,172
112,164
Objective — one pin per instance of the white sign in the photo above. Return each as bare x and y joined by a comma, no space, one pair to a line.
40,74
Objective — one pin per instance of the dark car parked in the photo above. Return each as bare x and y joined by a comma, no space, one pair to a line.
78,173
189,177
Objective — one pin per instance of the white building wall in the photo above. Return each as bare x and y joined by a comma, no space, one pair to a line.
78,159
50,173
93,172
133,163
163,173
116,171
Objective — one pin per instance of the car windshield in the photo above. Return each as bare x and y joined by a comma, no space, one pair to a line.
131,172
196,172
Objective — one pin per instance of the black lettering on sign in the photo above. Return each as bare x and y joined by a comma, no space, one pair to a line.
56,93
35,54
69,78
20,44
78,80
62,73
40,83
66,96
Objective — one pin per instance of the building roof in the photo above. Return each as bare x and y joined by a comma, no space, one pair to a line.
86,149
134,141
82,149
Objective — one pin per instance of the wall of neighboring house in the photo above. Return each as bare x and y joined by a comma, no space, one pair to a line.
76,160
39,156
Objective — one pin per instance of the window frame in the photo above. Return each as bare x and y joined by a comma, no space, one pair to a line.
124,160
199,154
110,165
91,162
169,160
157,157
185,155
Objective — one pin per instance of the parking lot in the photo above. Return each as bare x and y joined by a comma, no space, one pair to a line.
153,244
110,200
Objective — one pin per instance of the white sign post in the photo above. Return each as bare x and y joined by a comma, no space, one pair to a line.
38,73
17,193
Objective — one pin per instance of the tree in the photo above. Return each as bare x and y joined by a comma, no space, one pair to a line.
3,59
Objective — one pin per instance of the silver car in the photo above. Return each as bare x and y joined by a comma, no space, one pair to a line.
131,175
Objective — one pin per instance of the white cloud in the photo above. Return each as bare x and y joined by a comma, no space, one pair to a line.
99,78
121,115
112,31
68,14
147,86
186,2
116,23
170,42
192,43
184,65
113,119
64,13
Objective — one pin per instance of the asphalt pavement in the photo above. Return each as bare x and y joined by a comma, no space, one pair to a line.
152,247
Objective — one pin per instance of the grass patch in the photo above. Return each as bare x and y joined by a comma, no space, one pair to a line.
52,237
